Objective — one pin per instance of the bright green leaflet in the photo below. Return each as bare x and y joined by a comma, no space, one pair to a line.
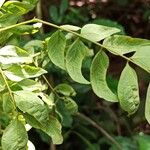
15,136
98,77
74,57
120,44
56,49
96,32
128,91
147,105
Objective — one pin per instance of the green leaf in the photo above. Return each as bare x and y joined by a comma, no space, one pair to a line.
52,127
54,13
128,91
74,57
8,105
71,105
56,49
4,35
147,105
66,118
96,32
98,77
12,54
142,57
15,136
2,83
65,89
143,142
30,103
34,46
18,72
63,6
120,44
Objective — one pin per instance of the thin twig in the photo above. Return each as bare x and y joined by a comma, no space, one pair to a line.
52,146
97,126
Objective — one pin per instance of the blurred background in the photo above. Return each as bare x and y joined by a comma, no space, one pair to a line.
133,18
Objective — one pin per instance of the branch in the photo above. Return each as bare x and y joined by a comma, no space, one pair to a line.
97,126
75,33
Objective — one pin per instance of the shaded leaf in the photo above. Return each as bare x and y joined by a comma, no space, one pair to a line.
98,77
52,127
63,6
65,89
142,57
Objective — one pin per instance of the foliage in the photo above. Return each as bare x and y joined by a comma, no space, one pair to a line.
27,96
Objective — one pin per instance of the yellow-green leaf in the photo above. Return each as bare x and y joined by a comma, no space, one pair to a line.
98,77
74,57
15,136
147,105
56,49
96,32
128,91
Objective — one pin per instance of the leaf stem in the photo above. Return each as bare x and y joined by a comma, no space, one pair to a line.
7,85
97,126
